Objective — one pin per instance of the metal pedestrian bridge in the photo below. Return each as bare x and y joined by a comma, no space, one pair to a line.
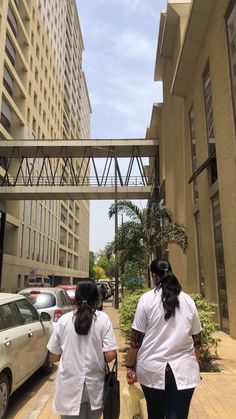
60,169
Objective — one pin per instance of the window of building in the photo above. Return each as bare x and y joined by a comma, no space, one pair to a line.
200,254
43,249
27,247
32,38
34,124
29,209
6,115
38,245
8,81
220,264
210,124
33,245
10,50
63,215
35,99
193,152
21,239
46,252
36,75
22,210
12,21
231,34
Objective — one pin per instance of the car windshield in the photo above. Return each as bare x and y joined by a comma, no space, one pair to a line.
42,300
71,293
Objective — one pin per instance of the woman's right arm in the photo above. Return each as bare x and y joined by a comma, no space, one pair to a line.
197,342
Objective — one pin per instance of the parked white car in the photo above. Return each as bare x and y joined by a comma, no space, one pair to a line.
54,301
24,335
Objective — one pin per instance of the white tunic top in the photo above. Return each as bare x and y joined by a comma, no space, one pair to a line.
82,361
167,341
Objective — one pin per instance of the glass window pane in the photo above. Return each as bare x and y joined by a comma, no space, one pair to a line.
231,32
27,313
210,124
219,252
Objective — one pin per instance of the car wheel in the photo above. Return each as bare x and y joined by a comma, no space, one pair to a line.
4,395
48,365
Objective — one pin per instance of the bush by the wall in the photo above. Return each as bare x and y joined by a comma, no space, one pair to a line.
210,342
127,311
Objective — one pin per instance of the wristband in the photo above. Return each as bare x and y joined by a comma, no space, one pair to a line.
130,367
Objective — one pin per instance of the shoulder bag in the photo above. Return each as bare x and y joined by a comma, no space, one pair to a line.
111,406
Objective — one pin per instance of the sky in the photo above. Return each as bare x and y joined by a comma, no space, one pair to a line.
120,40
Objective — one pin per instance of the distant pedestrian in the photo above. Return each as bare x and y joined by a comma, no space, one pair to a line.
80,341
165,346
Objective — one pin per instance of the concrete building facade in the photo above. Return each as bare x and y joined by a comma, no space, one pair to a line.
43,95
195,124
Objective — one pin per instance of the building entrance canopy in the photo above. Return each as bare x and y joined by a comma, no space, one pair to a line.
60,169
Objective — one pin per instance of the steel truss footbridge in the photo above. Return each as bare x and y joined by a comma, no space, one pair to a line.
60,169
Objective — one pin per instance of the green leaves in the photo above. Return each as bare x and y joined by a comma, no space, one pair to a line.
127,311
145,230
210,342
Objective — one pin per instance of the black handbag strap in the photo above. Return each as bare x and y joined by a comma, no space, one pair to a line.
114,368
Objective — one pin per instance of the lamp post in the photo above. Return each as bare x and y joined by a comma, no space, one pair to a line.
116,227
116,232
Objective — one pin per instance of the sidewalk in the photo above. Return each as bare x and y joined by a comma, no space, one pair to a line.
215,398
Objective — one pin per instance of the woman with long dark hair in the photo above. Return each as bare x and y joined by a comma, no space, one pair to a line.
165,346
82,340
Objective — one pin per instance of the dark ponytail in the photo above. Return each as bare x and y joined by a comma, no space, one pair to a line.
169,284
86,298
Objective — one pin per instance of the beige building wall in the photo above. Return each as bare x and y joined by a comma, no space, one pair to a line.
42,96
193,34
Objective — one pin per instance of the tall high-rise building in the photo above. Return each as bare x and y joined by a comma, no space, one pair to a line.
196,127
43,95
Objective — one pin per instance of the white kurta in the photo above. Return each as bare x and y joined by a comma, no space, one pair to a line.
82,361
167,341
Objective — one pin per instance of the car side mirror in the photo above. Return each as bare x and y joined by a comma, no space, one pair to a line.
45,317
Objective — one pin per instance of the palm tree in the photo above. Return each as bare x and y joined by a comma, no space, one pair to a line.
147,229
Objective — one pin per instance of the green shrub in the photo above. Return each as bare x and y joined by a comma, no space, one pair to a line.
127,311
210,342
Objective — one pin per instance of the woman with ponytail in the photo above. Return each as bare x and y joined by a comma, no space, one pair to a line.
82,340
165,346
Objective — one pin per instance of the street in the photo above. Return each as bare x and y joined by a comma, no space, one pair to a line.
28,401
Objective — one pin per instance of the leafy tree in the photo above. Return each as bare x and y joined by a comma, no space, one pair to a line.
91,265
154,226
99,272
145,230
108,264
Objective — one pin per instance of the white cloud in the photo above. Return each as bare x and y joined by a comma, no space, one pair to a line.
134,45
134,6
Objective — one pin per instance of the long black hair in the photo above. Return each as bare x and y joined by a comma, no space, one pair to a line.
169,284
86,298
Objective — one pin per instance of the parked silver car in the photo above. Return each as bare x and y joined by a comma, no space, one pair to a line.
54,301
24,335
